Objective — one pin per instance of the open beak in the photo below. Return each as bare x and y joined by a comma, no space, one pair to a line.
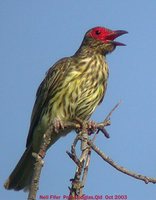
113,35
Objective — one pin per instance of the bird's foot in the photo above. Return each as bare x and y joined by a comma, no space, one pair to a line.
90,125
58,125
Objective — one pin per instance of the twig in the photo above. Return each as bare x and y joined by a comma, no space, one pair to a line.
87,163
106,122
83,162
120,168
73,155
39,163
85,171
111,112
84,159
36,176
77,183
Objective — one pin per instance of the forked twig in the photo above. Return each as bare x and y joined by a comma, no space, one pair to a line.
81,162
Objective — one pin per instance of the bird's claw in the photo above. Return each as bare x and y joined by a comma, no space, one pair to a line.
58,124
92,127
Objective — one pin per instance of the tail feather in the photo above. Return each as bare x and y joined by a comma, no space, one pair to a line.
21,176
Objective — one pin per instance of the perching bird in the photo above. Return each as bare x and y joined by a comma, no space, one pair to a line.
72,89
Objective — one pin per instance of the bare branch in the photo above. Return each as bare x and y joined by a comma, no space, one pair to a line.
36,176
84,131
80,175
120,168
39,164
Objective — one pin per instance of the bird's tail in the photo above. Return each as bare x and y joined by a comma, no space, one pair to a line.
21,176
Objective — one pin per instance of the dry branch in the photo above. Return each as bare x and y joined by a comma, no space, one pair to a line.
120,168
84,131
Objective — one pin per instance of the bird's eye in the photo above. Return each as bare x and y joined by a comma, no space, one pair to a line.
97,32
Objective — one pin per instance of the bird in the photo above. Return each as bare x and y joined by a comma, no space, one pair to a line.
72,88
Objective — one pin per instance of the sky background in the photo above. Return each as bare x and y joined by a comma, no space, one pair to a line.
33,36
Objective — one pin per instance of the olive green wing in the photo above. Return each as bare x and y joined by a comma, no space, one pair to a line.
48,86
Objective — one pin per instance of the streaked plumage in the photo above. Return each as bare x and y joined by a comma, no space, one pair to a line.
72,88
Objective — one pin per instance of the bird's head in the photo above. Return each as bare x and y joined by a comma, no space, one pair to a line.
103,39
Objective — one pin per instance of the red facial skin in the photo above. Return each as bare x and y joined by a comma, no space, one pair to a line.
106,35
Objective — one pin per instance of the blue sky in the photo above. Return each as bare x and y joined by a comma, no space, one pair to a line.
34,35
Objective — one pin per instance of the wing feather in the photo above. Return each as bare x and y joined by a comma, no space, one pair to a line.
48,86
